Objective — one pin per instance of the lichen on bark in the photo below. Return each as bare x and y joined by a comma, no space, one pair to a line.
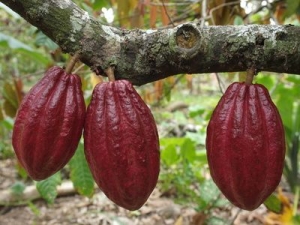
143,56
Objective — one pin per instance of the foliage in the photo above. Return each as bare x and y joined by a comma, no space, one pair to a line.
284,92
25,53
6,125
80,173
183,176
18,188
284,213
47,188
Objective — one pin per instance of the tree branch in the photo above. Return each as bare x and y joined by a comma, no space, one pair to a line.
143,56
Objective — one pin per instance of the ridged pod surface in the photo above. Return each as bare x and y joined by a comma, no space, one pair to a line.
246,145
49,123
121,144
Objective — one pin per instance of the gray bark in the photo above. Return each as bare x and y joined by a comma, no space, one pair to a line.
143,56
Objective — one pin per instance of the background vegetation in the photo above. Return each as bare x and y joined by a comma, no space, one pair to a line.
182,104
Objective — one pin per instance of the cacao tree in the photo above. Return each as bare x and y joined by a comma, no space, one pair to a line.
147,55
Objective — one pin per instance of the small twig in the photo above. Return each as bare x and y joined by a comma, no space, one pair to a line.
72,63
187,11
166,11
110,73
172,4
269,6
203,13
276,84
170,89
235,216
296,201
219,83
220,6
79,68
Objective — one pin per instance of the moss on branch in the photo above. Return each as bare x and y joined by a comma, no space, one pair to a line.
143,56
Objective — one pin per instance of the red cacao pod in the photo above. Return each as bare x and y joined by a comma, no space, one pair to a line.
121,144
49,123
246,145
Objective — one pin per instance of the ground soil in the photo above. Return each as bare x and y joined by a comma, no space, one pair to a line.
98,210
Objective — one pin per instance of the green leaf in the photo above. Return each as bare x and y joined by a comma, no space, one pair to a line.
238,20
7,41
18,188
34,209
98,4
34,55
292,6
8,123
255,18
201,157
9,93
11,42
268,81
188,150
273,203
199,137
9,109
42,40
209,192
164,142
1,114
285,106
221,202
201,205
167,89
196,110
169,155
297,120
21,171
47,188
296,219
80,173
294,79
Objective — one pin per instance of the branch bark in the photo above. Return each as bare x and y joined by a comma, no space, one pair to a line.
143,56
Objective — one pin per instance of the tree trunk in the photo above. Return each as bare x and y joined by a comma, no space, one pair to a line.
143,56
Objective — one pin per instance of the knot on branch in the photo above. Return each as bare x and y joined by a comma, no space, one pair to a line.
187,36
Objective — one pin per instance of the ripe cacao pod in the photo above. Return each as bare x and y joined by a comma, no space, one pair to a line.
246,145
54,108
121,144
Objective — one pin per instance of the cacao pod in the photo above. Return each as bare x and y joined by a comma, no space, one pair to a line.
54,108
246,145
121,144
